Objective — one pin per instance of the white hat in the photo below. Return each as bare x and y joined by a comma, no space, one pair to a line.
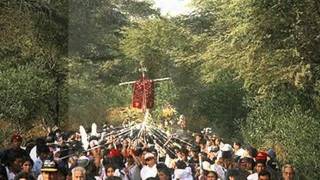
148,155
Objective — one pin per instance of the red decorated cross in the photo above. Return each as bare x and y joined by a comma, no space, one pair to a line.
143,90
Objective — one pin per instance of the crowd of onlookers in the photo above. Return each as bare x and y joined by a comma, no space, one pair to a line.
60,156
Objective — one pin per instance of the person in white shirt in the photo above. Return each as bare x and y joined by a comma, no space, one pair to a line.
150,169
182,171
238,150
43,154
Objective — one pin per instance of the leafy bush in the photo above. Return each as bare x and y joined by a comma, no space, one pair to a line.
273,124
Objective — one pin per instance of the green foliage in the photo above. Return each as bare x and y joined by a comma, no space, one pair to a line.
247,68
221,102
274,123
165,94
266,43
167,51
89,97
162,43
32,72
94,27
6,131
137,9
155,42
96,64
273,46
25,94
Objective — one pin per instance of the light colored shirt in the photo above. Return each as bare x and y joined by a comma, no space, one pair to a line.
221,171
147,172
36,169
240,152
10,174
183,174
33,154
253,176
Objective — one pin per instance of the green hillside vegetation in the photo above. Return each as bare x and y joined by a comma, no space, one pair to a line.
248,69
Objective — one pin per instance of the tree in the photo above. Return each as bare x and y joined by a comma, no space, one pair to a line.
96,63
166,50
95,26
31,65
222,103
267,43
273,46
274,124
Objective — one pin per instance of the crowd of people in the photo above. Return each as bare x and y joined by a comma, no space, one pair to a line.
60,155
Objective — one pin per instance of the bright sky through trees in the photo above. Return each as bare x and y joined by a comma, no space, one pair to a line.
173,7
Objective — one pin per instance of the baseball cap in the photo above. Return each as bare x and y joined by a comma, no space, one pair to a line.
261,156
